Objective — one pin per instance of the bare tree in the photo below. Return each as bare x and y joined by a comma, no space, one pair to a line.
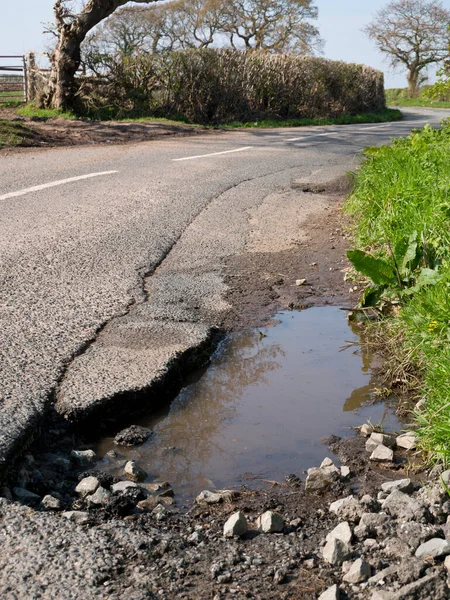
72,28
413,34
277,25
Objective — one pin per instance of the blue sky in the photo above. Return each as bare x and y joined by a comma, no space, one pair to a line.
340,23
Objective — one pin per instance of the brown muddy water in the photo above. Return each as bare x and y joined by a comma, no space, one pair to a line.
258,411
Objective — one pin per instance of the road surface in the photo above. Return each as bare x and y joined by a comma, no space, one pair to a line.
111,258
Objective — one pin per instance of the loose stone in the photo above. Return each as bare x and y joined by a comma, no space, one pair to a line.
320,479
88,485
208,497
79,517
83,458
358,572
336,551
382,454
100,498
158,488
51,503
327,462
270,522
435,547
121,486
403,485
134,471
332,593
132,436
341,532
447,563
402,506
236,525
366,430
345,472
383,439
406,441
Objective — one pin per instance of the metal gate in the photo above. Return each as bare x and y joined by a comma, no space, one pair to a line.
13,79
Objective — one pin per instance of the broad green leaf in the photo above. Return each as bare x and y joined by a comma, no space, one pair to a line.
428,277
411,251
377,269
372,296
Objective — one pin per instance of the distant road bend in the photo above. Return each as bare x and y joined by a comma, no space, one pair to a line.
111,258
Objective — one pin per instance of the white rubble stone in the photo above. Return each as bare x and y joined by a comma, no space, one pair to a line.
327,462
403,485
121,486
406,441
300,281
447,563
382,454
404,507
100,497
133,470
83,457
88,485
321,478
434,548
208,497
345,472
332,593
366,430
77,516
270,522
348,509
341,532
358,572
336,551
371,445
51,503
382,438
236,525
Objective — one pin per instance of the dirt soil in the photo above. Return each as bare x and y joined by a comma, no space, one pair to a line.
65,132
263,283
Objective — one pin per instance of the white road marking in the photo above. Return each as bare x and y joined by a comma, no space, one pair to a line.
213,154
297,139
44,186
313,135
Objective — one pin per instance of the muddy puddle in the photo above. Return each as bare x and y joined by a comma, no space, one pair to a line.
258,412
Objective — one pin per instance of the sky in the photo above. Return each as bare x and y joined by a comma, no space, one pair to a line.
340,23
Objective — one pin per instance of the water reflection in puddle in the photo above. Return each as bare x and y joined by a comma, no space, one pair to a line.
262,405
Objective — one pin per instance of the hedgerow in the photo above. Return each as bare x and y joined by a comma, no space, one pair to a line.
219,86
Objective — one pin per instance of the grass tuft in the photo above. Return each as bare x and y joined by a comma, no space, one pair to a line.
13,134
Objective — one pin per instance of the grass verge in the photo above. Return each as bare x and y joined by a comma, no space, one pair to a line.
132,117
13,134
381,117
402,192
420,102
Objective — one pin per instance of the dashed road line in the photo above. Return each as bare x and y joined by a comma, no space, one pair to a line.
43,186
212,154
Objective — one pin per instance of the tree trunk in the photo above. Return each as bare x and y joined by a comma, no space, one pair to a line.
413,83
65,63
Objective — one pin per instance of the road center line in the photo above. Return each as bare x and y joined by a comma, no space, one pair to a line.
51,184
313,136
213,154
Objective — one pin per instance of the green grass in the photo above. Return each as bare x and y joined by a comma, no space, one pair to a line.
402,189
400,97
13,134
420,102
107,114
382,117
44,113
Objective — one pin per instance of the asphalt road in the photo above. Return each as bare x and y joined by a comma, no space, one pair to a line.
133,237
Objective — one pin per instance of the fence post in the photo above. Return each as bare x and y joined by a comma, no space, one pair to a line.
25,80
30,76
